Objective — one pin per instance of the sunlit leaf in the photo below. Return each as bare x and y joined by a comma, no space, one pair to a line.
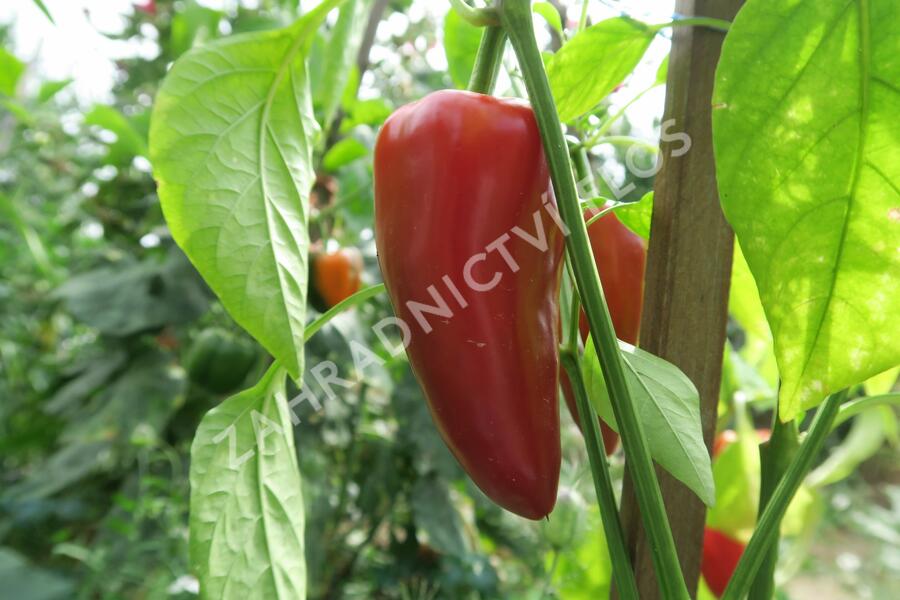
808,166
11,69
637,215
550,14
590,65
231,145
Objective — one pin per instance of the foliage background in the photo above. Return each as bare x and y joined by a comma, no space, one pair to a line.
100,315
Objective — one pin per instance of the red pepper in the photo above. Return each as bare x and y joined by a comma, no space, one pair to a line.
721,554
335,276
466,226
620,255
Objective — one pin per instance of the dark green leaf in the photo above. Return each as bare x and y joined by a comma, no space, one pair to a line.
438,518
24,581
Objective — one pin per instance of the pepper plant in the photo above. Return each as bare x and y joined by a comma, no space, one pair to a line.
806,149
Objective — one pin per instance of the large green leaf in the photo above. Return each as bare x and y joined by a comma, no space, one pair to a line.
247,516
808,164
590,65
231,144
668,406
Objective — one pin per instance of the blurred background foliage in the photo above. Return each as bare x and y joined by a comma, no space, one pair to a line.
112,348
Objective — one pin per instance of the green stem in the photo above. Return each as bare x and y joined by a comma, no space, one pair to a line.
582,21
515,15
487,61
626,140
603,487
479,17
607,125
775,457
357,298
854,407
709,22
767,527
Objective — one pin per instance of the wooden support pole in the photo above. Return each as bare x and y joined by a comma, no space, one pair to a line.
688,274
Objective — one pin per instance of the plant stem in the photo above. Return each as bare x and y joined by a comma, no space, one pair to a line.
854,407
709,22
582,21
767,526
479,17
607,125
606,498
515,15
487,61
775,457
357,298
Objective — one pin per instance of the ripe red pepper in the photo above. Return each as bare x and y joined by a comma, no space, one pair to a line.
470,249
721,554
620,255
335,276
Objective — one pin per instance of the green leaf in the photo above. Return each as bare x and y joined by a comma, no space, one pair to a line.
461,42
883,382
745,306
367,112
437,518
50,88
340,55
247,515
343,153
637,215
24,581
809,178
11,69
550,14
584,570
43,8
669,409
125,299
663,71
590,65
193,23
231,143
736,472
129,142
